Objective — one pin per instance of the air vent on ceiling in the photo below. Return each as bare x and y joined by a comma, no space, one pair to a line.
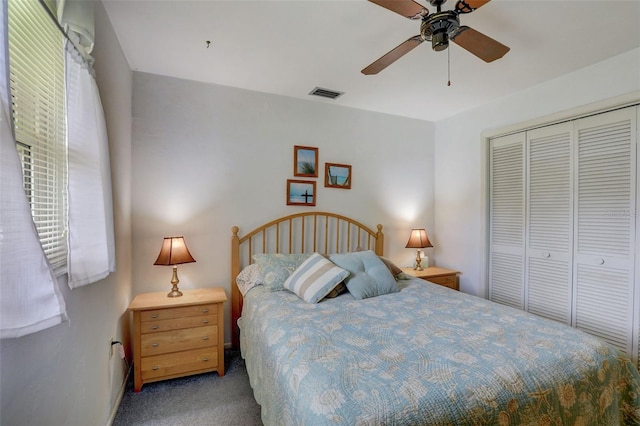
325,93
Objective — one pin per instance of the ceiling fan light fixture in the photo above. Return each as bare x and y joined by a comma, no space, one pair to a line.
440,41
438,27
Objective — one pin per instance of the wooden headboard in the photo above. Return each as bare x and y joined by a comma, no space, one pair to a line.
306,232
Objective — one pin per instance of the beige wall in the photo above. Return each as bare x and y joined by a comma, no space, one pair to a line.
64,375
208,157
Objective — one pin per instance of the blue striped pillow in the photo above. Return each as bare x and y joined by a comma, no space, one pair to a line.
315,278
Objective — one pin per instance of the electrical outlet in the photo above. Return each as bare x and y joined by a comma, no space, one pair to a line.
110,347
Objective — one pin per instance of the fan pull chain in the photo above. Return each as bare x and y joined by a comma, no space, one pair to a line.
448,67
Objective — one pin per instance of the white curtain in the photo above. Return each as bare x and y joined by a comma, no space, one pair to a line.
91,242
30,300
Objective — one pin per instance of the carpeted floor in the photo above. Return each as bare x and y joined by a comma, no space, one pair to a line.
200,400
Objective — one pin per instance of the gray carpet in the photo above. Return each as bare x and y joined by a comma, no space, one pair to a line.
203,399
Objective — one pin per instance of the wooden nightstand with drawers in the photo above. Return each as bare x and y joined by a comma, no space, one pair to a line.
436,275
177,336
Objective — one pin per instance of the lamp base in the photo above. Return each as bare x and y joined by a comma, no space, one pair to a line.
418,262
174,293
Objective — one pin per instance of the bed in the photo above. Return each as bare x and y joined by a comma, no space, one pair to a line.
421,354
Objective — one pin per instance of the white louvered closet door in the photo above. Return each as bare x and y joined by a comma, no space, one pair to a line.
604,226
550,222
507,186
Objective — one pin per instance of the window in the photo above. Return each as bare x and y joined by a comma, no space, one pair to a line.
37,81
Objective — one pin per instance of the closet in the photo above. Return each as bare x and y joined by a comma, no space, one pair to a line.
562,224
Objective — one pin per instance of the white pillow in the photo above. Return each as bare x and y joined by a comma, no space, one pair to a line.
248,278
315,278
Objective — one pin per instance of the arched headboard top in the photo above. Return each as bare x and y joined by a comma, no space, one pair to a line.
303,232
315,215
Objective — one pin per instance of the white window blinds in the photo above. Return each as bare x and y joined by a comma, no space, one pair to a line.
30,299
54,175
38,98
62,141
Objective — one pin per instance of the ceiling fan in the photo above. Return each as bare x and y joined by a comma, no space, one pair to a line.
438,28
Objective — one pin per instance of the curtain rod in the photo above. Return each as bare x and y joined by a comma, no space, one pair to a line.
53,17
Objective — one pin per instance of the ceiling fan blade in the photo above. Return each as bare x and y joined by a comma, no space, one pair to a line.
407,8
393,55
484,47
468,6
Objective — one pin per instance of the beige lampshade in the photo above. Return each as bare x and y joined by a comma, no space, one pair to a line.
174,251
418,239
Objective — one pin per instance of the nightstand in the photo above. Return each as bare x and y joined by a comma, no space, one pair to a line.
436,275
177,336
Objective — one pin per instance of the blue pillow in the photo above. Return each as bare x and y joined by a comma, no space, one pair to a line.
369,276
276,268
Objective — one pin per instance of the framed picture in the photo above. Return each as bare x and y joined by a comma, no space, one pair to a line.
337,176
301,192
305,161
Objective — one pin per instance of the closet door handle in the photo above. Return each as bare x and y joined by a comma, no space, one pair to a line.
600,261
546,254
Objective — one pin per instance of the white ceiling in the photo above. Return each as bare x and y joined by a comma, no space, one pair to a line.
290,47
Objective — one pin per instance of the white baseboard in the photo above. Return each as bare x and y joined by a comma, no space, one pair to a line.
123,387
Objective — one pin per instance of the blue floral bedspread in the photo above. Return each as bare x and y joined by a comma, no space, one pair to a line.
428,356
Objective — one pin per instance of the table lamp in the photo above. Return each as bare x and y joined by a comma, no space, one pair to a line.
418,240
174,251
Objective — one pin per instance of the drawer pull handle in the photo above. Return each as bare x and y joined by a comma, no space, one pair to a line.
155,316
205,359
155,367
155,345
205,338
205,310
155,327
205,321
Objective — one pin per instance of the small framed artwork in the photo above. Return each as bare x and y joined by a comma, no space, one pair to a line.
337,176
305,161
301,192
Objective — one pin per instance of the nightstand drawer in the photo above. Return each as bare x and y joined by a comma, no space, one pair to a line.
447,281
178,340
178,363
436,275
178,323
185,311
